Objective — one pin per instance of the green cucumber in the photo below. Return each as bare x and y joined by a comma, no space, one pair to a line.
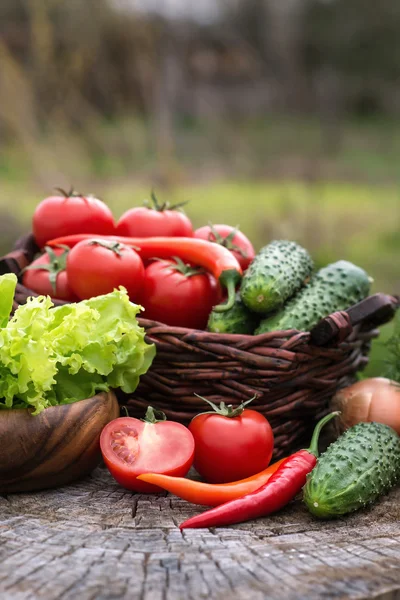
335,287
360,466
237,319
276,273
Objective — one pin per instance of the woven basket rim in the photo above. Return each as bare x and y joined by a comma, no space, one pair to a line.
159,327
235,336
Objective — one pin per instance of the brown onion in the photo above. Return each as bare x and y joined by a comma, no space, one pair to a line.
375,399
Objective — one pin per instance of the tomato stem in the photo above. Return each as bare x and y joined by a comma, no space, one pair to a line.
182,267
151,416
227,241
74,194
115,247
64,193
164,206
225,410
55,266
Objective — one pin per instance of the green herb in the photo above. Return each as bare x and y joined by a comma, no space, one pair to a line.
51,356
393,346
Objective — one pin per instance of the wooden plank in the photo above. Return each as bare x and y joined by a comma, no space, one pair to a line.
93,540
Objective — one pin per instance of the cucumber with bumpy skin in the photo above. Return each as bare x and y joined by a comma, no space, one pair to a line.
276,273
335,287
237,319
360,466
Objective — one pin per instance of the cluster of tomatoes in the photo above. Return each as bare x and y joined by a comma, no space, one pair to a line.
225,445
172,291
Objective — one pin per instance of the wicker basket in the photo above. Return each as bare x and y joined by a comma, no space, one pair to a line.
293,374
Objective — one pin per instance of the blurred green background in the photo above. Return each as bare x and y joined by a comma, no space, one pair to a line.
280,117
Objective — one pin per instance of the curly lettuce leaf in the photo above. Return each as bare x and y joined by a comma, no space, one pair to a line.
28,363
8,283
51,356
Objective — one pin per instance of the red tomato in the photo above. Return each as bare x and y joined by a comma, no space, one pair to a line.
63,215
98,267
131,447
47,275
231,238
176,294
229,448
160,220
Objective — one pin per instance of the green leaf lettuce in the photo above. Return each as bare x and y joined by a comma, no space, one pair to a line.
58,355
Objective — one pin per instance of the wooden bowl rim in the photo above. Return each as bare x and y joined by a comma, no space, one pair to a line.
56,406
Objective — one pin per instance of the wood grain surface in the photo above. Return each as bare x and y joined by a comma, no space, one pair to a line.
92,540
54,447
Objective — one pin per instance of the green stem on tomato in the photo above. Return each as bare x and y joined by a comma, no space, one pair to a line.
227,241
55,266
164,206
112,246
151,416
225,410
184,268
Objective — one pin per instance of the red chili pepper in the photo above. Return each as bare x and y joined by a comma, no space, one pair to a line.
282,487
216,259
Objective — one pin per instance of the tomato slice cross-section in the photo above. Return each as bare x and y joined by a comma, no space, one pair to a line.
131,447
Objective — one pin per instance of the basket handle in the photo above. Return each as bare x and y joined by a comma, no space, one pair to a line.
14,262
20,257
374,310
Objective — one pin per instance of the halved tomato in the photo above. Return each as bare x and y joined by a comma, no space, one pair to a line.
131,447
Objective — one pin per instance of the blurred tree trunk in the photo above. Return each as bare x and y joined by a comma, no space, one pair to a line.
168,81
329,107
283,37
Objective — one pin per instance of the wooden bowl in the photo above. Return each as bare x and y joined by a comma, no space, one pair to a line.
55,447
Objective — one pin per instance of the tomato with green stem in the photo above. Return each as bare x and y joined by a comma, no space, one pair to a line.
71,213
231,443
131,447
47,274
152,220
231,238
97,267
178,294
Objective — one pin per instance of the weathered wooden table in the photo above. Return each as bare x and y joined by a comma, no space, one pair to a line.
93,540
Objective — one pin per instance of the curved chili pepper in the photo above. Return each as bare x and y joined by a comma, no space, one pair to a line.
282,487
210,494
216,259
